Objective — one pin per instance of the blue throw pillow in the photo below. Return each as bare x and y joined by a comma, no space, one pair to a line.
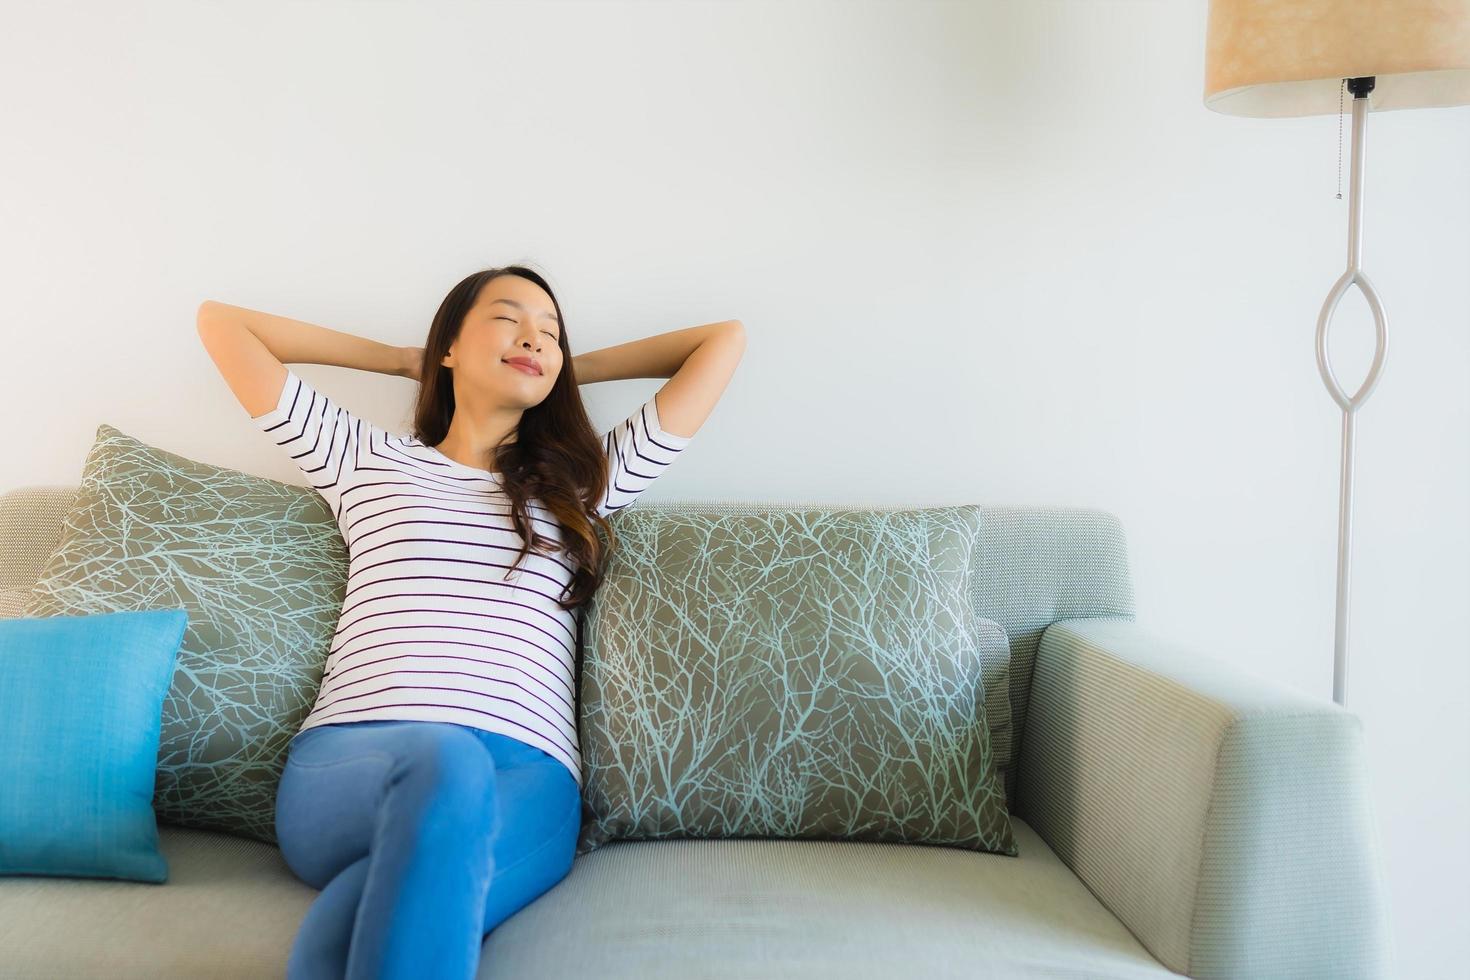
81,698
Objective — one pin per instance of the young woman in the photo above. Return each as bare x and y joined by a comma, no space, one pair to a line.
435,787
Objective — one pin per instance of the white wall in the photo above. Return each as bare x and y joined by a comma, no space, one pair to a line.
984,252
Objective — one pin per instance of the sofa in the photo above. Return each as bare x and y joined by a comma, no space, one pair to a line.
1174,815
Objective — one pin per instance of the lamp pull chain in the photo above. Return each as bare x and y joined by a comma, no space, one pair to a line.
1339,137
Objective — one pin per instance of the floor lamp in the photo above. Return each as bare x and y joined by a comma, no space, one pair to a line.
1293,58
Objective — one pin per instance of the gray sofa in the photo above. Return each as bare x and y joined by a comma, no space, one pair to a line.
1175,816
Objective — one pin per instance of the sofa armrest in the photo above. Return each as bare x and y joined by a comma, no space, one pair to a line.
1223,818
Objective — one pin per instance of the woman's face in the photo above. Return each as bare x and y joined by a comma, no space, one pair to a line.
513,319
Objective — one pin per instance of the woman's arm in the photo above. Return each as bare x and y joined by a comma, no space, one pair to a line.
659,356
297,342
698,361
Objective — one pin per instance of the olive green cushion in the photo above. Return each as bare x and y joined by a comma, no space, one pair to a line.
796,673
261,569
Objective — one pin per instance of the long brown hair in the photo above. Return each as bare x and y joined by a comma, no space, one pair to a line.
557,456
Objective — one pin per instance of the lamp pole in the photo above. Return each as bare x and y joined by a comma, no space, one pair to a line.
1359,87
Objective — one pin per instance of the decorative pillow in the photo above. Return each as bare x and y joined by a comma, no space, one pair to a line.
996,674
802,673
261,570
79,715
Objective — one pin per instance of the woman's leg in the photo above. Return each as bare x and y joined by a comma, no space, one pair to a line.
323,939
541,816
393,821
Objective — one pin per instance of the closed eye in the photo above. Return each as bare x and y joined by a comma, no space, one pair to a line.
512,320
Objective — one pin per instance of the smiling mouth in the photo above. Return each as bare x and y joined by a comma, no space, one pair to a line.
521,367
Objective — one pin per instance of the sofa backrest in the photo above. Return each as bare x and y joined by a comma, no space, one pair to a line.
30,529
1032,566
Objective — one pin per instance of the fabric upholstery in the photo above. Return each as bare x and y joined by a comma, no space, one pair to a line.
801,673
80,698
1102,772
260,568
30,529
1223,817
1031,566
633,910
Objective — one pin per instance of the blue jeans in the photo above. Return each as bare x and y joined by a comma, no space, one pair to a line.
422,836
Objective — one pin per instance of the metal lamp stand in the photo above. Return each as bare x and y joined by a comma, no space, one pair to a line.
1359,87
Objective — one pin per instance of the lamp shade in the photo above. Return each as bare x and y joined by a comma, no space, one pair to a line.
1289,57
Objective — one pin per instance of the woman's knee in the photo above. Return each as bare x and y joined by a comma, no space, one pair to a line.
447,768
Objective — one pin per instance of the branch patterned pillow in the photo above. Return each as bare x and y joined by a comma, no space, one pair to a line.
790,674
261,569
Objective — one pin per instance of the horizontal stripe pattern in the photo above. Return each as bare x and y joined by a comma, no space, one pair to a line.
437,623
638,450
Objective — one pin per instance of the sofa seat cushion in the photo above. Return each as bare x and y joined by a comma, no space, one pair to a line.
630,909
229,909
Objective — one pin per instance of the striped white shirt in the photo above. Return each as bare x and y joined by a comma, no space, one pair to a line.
430,627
